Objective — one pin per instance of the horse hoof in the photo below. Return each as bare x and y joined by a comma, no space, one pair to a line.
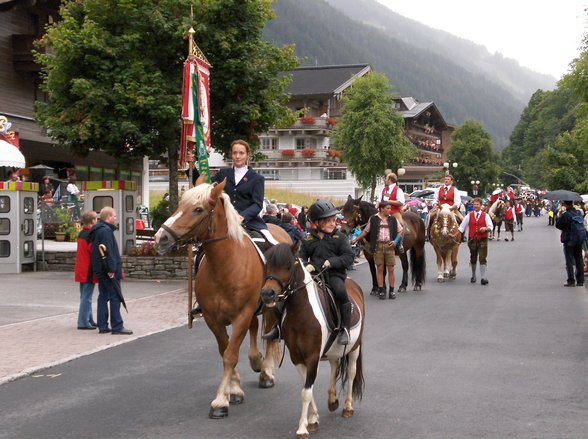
218,413
333,405
347,413
374,291
440,279
402,289
266,384
302,436
312,427
236,399
417,288
255,363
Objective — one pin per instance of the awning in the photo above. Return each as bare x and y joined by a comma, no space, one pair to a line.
10,155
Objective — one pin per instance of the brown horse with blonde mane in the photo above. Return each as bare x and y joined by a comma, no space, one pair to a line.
446,238
309,331
228,283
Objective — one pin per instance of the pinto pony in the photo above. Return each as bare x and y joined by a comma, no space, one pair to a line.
228,283
308,332
445,238
357,212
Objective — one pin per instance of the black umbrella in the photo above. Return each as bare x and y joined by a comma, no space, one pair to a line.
563,195
422,193
103,251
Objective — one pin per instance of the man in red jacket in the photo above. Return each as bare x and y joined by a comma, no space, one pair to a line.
478,224
83,272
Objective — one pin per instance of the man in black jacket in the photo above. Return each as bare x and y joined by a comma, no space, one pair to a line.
109,273
572,248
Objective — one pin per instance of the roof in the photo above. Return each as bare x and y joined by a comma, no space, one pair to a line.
324,80
410,108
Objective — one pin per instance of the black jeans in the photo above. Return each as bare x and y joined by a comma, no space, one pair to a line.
574,260
339,291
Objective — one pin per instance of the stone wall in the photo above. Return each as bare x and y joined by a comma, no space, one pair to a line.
135,267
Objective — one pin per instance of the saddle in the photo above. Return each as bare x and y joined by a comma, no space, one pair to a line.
263,240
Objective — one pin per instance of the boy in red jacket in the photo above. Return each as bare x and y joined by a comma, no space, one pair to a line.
83,272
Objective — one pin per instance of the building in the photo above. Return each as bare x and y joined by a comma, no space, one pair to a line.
300,156
21,23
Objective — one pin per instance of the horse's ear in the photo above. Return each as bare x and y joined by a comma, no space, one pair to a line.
218,189
359,199
295,247
201,179
349,197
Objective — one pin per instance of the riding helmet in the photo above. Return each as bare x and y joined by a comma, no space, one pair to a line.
321,209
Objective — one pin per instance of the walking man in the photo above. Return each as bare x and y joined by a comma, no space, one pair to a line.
109,273
478,224
510,219
572,239
392,193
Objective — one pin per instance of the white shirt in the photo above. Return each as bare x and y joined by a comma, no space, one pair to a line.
386,197
466,221
456,196
240,173
73,189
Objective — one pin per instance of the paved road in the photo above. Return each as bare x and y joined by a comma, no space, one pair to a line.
455,360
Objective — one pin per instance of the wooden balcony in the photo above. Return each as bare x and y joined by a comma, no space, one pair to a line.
306,126
22,53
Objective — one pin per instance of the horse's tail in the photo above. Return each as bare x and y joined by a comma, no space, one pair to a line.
358,382
418,266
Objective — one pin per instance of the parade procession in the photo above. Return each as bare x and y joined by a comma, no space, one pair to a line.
300,218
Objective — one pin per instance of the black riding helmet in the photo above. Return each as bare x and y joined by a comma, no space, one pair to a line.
321,209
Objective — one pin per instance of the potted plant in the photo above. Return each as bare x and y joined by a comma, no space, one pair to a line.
288,152
331,121
308,120
308,152
62,223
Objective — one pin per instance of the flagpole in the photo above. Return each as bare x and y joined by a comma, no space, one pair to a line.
191,33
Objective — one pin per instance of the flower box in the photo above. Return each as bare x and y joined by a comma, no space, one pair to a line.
308,152
308,120
287,152
331,121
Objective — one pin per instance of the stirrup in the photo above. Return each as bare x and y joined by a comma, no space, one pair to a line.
196,311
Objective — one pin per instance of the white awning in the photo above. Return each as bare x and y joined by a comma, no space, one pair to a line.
10,155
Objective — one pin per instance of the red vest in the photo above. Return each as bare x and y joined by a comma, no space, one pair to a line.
474,226
509,214
392,197
446,198
519,208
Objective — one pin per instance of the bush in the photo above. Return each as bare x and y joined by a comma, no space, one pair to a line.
160,213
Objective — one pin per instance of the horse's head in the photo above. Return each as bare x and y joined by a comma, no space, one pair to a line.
351,212
280,269
445,221
200,216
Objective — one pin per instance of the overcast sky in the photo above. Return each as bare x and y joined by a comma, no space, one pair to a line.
542,35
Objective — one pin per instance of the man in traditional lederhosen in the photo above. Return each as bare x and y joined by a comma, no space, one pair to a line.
446,194
510,219
478,224
392,193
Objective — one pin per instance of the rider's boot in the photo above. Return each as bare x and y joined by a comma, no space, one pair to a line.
473,279
197,310
275,333
345,323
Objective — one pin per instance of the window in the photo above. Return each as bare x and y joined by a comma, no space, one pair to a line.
28,227
305,142
269,143
28,249
130,225
129,203
4,204
28,205
100,202
4,249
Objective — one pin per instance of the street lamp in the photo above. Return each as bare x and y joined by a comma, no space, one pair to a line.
401,171
475,187
446,167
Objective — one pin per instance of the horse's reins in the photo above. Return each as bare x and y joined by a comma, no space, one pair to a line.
288,290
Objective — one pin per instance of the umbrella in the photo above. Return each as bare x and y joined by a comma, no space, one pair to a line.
422,193
466,198
11,155
563,195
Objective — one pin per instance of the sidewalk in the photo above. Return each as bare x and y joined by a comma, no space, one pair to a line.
38,319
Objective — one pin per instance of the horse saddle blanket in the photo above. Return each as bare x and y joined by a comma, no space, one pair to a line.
263,239
329,309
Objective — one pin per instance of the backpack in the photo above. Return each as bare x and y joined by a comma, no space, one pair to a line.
577,230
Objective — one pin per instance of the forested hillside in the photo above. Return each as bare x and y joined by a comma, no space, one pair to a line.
323,36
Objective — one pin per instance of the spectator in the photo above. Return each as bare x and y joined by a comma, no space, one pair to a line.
289,224
572,243
83,272
109,273
271,214
303,221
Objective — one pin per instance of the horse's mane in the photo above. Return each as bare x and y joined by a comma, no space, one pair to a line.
494,207
199,196
280,255
366,208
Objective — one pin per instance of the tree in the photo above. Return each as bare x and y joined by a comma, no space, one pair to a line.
114,70
472,150
370,133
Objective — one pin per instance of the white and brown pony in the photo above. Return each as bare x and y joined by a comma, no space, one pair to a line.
445,238
228,283
496,212
307,330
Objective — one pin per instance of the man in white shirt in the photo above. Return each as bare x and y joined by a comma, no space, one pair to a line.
446,194
392,193
478,224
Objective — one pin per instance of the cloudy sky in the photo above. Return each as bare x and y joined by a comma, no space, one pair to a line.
544,36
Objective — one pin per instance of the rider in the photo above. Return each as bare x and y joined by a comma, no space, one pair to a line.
392,193
328,249
446,194
246,188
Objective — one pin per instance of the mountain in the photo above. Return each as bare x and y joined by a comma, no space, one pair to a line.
324,36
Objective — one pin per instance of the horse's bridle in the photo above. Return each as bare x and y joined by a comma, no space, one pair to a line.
182,240
288,289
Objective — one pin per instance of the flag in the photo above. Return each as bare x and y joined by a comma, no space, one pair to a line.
196,112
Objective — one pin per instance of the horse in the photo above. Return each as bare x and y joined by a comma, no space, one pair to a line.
496,213
357,212
228,283
445,238
309,335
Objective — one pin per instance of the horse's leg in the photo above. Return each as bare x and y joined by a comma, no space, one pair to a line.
333,402
308,375
266,377
418,264
498,227
219,407
351,371
453,271
404,260
255,357
236,394
439,266
446,264
370,260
